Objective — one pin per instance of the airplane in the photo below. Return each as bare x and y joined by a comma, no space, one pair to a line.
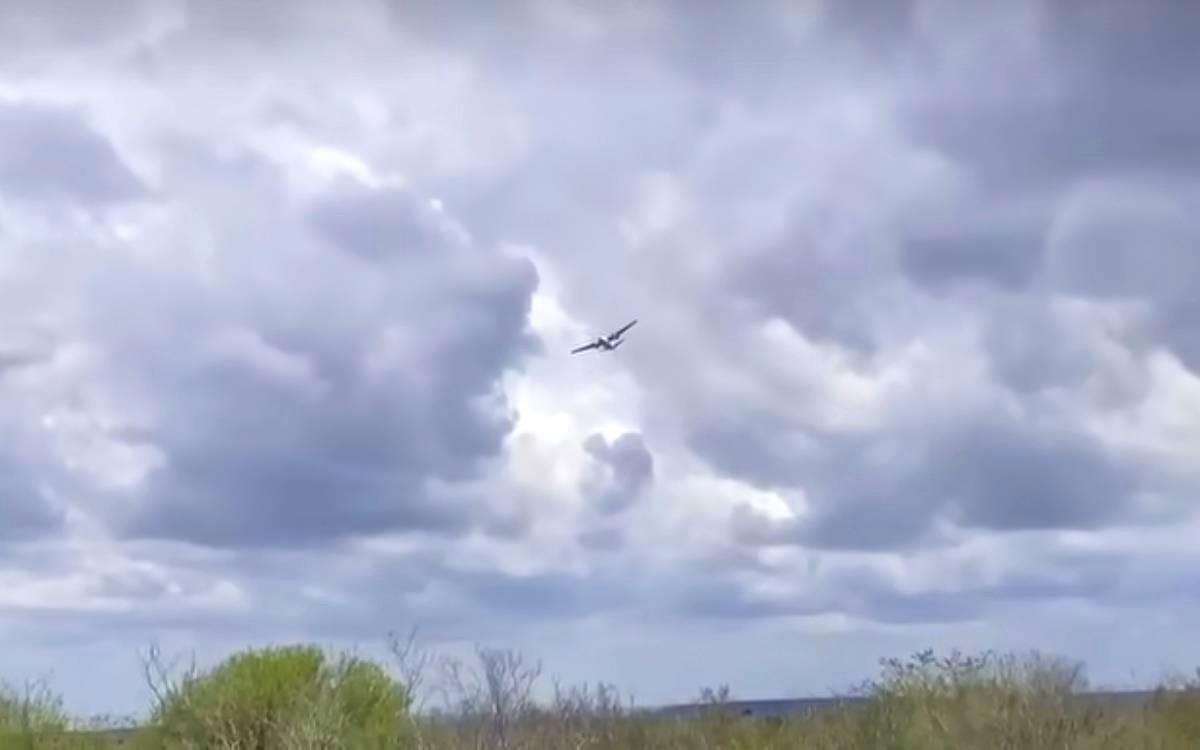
609,342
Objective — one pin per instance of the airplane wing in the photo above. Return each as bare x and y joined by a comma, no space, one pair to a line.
584,348
624,328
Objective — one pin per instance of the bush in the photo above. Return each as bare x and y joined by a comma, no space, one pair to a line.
960,702
35,718
282,697
1176,709
32,711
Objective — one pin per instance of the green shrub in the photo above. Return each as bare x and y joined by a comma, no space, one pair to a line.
34,719
283,697
34,710
1175,711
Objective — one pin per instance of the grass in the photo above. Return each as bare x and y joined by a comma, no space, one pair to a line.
303,697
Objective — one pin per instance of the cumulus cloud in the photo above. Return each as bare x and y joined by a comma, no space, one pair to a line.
917,362
52,153
625,467
988,473
332,405
27,512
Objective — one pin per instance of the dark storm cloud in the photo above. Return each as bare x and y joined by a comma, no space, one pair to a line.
287,501
1130,241
1054,576
375,224
765,450
1011,477
1112,94
251,465
57,26
50,153
744,451
727,598
718,47
1180,325
879,27
859,594
25,512
15,359
1101,96
600,538
1136,241
335,400
1031,348
780,279
429,588
625,468
1008,258
989,472
1030,572
1105,97
541,595
861,500
1036,346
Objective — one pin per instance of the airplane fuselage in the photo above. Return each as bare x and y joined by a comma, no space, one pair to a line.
607,343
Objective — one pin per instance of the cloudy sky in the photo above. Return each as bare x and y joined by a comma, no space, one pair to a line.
287,291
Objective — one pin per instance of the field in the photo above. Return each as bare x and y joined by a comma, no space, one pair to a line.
307,697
